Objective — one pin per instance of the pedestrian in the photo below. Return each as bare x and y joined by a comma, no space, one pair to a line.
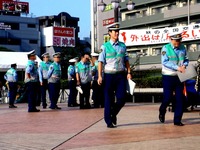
11,78
84,78
174,58
43,77
54,76
97,94
72,83
31,80
116,72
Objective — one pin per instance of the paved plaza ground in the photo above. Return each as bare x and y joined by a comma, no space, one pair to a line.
71,128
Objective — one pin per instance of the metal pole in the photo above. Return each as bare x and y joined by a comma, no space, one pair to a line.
188,12
116,11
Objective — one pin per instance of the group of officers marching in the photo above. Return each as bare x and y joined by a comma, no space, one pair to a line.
108,73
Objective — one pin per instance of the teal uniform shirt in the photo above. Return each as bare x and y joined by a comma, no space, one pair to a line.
85,72
43,70
32,70
54,73
95,70
11,75
113,56
71,72
172,58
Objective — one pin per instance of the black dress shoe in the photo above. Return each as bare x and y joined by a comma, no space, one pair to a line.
12,106
34,110
162,118
114,120
179,124
57,107
111,126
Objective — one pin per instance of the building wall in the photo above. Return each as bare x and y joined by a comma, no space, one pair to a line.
24,35
152,14
98,29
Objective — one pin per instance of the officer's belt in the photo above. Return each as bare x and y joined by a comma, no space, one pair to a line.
114,72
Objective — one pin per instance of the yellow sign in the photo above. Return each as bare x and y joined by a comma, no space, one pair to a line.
108,7
106,38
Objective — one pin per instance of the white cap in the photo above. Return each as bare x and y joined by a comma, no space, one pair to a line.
176,35
72,60
114,26
31,53
94,54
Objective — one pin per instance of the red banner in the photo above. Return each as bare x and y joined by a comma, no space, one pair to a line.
65,32
108,21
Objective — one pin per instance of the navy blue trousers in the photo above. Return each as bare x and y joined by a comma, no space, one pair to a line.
172,84
44,88
12,92
114,83
97,95
54,91
72,92
85,97
32,95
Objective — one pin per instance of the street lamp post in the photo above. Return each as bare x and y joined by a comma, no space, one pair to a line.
188,3
115,5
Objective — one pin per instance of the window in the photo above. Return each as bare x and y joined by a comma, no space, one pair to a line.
33,41
31,26
158,10
10,41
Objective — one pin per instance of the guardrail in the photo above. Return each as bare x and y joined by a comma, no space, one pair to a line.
150,91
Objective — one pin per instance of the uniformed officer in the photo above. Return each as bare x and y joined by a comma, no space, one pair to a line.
54,76
31,79
174,58
72,83
116,62
84,78
43,77
11,78
98,94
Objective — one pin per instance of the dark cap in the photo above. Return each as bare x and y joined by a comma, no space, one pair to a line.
13,65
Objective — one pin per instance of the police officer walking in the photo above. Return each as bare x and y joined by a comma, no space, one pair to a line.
43,77
174,58
84,78
31,79
98,94
11,78
116,62
72,83
54,76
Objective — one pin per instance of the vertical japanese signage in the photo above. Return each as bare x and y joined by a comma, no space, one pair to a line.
158,36
63,37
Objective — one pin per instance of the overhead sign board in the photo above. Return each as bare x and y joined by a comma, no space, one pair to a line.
14,6
59,36
158,36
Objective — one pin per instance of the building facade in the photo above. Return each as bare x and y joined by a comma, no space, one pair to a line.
158,14
147,15
58,32
99,21
18,33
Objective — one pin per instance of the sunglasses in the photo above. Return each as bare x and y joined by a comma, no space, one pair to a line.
57,57
46,57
